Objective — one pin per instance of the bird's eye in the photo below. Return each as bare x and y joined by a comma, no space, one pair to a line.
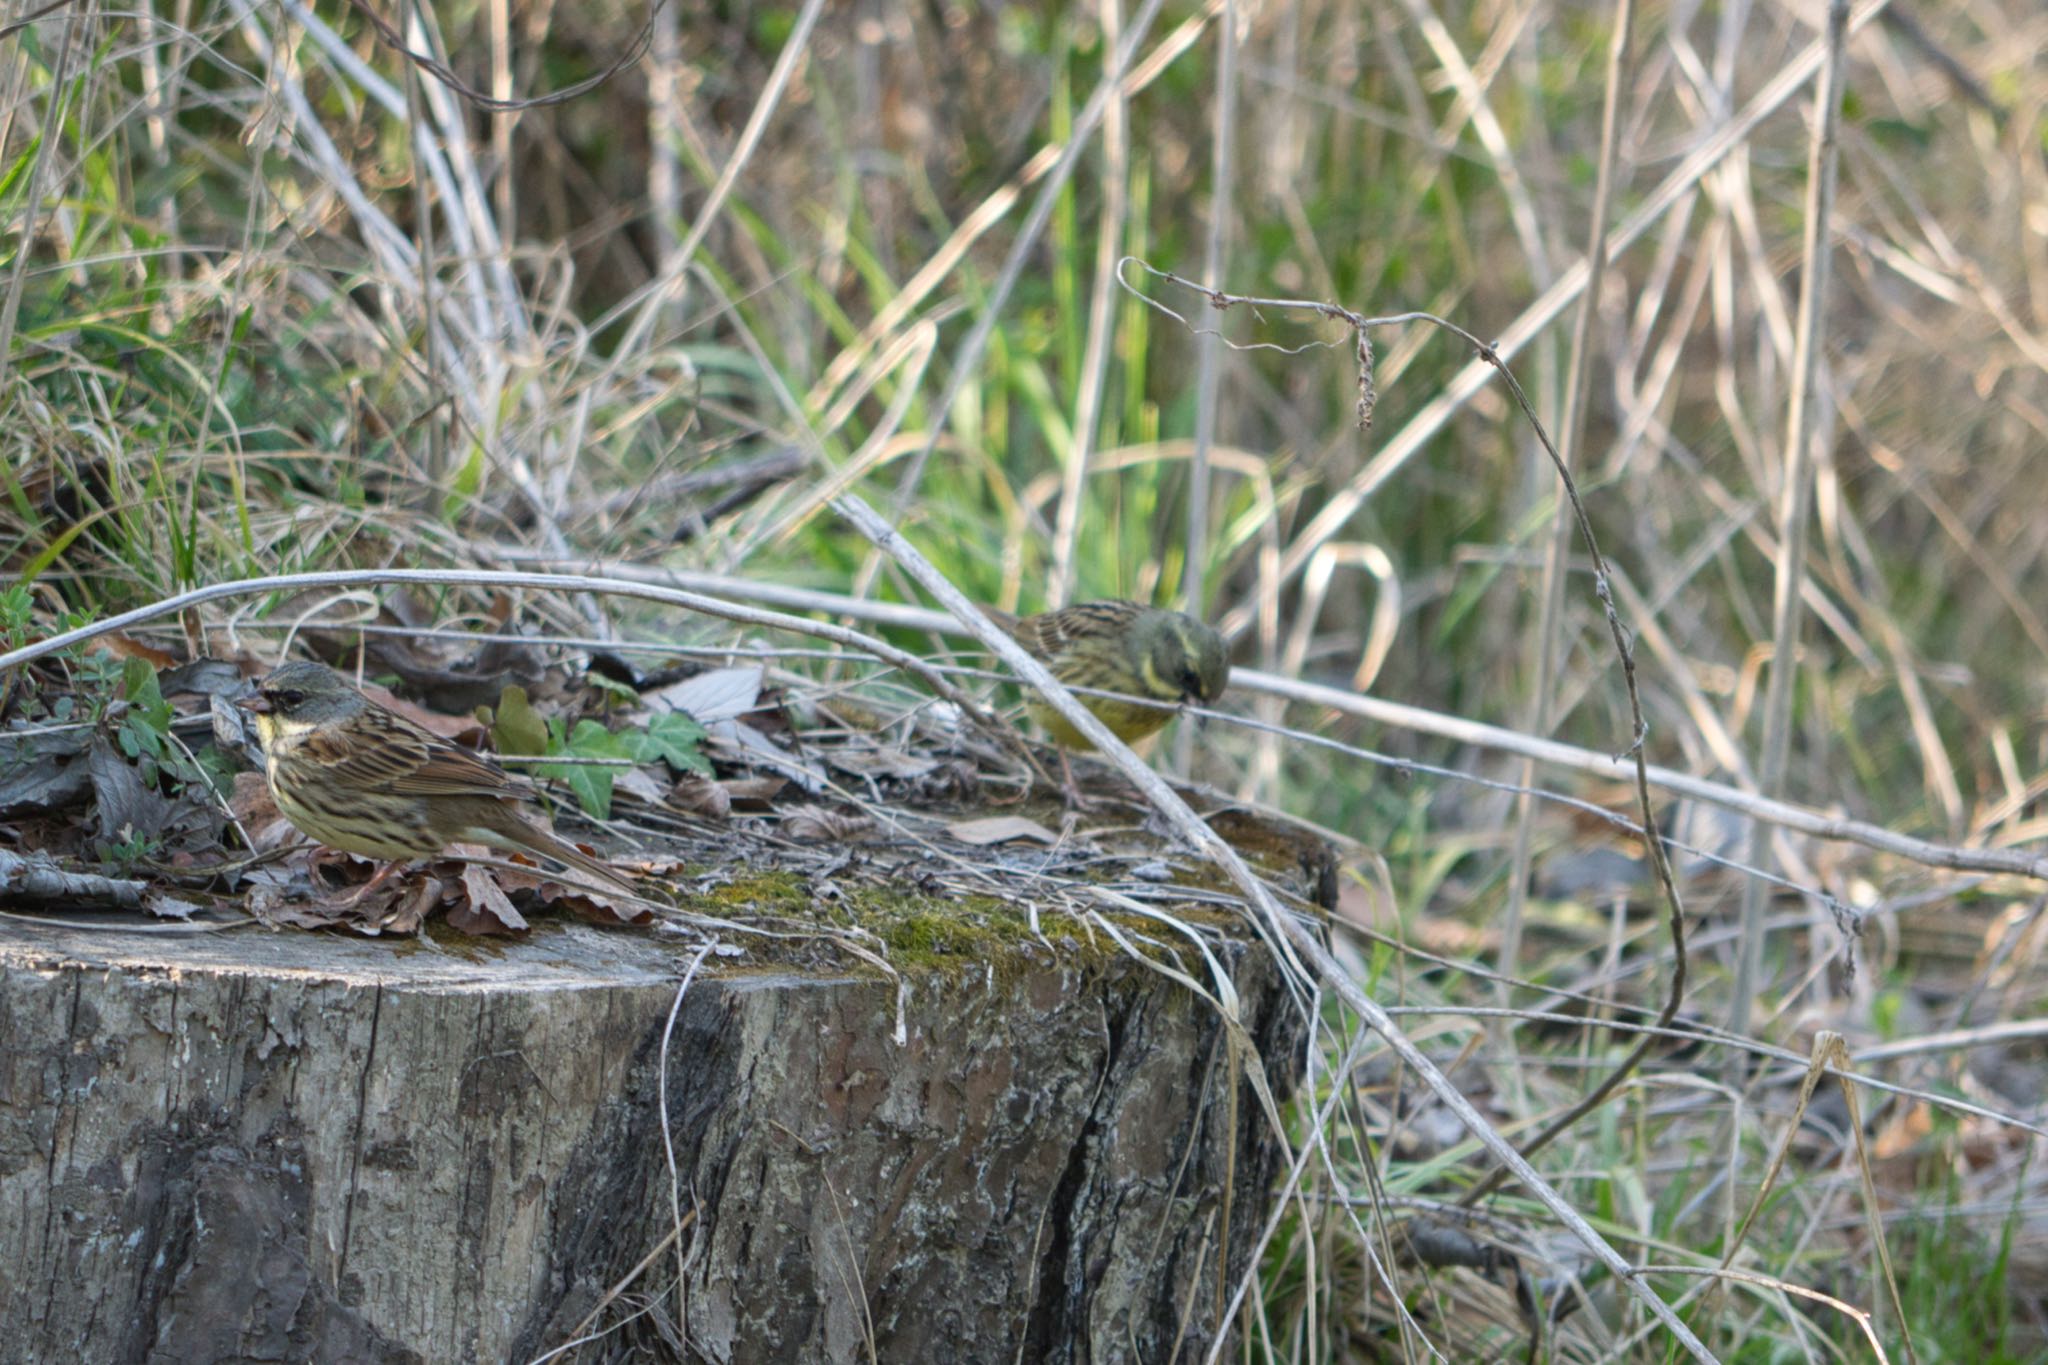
1190,684
291,696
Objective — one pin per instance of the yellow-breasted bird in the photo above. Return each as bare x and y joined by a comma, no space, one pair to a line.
359,777
1166,656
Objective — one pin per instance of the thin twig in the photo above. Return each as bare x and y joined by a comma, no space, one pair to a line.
355,578
1435,415
1550,629
445,74
1398,715
966,364
668,1141
41,880
1796,499
1294,942
1571,435
1102,319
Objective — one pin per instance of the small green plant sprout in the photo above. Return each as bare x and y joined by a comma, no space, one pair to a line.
672,737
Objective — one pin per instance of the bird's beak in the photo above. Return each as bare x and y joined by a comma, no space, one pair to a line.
256,704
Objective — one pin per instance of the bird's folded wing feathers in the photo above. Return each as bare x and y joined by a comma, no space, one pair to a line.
411,762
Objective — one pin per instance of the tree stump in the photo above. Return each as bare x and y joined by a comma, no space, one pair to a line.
290,1146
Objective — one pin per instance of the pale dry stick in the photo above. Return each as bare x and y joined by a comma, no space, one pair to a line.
577,1335
1209,351
1797,496
1571,435
1937,772
497,309
1951,520
668,1141
1856,1315
35,879
1830,1054
1293,943
1329,522
912,351
1292,1181
498,21
49,135
1386,608
1708,723
1640,398
1264,776
1984,1035
656,305
1473,105
966,364
437,158
993,210
392,249
1398,715
665,69
1838,623
1639,727
1708,1035
156,121
505,338
1109,229
356,578
440,450
1654,297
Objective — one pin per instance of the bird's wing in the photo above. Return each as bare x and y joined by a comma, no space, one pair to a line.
388,752
1053,633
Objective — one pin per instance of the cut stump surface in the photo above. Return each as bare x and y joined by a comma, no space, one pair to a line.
289,1146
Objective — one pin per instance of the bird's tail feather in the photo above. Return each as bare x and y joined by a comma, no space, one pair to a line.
550,845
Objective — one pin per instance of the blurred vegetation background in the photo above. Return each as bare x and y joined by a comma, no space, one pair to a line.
279,298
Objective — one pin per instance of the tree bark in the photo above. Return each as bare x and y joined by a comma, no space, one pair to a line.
259,1146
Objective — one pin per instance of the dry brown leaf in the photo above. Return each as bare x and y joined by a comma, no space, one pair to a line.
816,824
756,791
997,829
593,906
166,906
880,761
639,784
409,913
461,729
483,907
701,796
126,647
258,815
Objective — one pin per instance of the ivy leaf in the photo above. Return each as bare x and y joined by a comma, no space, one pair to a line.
147,718
673,737
517,728
616,692
591,782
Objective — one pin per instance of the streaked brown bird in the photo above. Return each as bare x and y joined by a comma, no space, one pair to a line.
359,777
1149,652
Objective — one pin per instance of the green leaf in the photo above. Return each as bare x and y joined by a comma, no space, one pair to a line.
674,737
592,783
147,719
517,727
468,482
616,691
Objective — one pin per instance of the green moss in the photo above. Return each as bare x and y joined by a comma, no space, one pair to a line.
926,934
921,934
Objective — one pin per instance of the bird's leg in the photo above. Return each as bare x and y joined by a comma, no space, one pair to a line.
356,897
1069,788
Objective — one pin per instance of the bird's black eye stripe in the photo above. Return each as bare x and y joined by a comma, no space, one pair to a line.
291,696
